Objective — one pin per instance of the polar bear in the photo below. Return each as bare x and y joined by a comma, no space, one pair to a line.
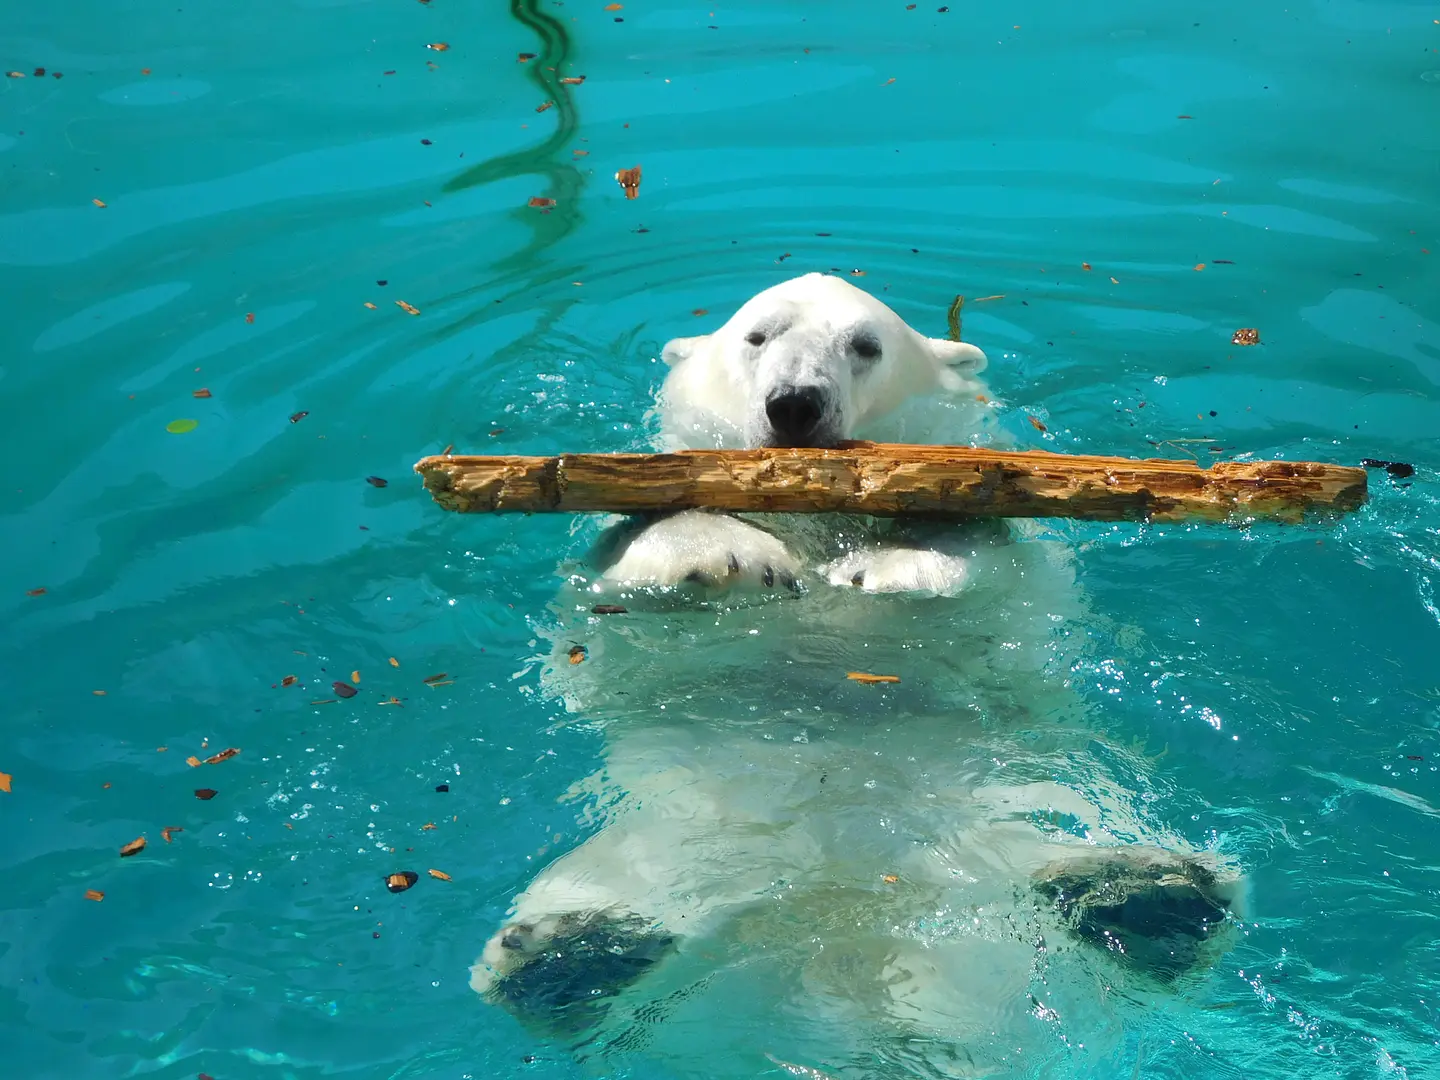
955,874
809,362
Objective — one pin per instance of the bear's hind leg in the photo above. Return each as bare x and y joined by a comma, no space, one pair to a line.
1162,912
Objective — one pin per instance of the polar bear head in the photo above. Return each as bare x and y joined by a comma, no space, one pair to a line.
808,362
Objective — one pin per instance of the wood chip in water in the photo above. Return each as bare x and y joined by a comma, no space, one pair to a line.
401,881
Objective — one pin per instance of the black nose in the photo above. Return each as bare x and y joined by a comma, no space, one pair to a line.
516,937
795,412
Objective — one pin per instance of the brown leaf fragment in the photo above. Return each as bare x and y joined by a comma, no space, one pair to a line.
169,831
629,179
614,7
193,761
295,418
577,654
524,56
427,826
435,678
580,153
982,299
700,311
201,393
35,592
1035,423
439,875
371,306
5,779
394,662
1247,335
98,693
890,879
98,203
544,105
343,689
15,74
1199,266
326,701
223,755
438,46
862,677
392,701
573,80
442,682
133,847
249,316
94,894
1114,281
289,680
401,881
1085,266
409,309
205,794
377,481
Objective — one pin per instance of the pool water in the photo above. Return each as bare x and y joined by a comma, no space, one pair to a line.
237,199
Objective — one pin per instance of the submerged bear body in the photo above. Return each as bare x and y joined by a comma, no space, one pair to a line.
940,876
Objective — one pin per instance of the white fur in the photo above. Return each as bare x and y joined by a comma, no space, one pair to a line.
715,394
717,382
866,852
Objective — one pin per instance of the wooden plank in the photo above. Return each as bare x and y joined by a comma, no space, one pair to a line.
887,479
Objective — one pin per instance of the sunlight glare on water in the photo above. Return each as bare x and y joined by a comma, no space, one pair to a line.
258,259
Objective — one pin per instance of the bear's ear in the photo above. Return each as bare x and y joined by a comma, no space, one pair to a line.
961,357
681,348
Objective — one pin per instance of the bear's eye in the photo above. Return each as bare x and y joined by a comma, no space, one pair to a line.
756,338
867,348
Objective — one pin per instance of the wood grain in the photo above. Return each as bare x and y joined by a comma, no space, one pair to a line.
887,479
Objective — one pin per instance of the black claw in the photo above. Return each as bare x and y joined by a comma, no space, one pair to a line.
787,579
734,564
768,577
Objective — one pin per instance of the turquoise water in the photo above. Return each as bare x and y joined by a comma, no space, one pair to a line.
294,161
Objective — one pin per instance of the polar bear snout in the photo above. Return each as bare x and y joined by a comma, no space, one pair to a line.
802,415
516,938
